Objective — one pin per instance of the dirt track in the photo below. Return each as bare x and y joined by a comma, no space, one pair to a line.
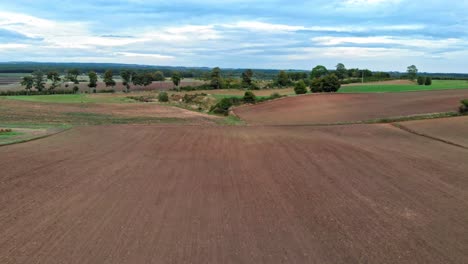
335,108
149,194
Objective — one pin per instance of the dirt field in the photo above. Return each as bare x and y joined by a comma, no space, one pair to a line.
97,113
334,108
153,194
448,129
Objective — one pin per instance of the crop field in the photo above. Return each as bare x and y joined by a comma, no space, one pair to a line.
122,181
350,108
397,87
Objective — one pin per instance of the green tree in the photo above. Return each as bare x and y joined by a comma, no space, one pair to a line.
318,71
109,79
216,78
159,76
300,87
28,82
93,78
176,78
38,77
247,78
428,81
421,80
127,77
72,75
54,77
327,84
283,79
412,72
341,71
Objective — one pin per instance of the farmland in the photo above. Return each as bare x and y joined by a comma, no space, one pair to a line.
350,108
298,180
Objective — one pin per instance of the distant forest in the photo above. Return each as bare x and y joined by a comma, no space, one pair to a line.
186,72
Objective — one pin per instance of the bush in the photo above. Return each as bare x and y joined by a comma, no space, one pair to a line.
249,98
75,89
327,84
222,107
5,130
428,81
163,97
300,87
421,80
464,106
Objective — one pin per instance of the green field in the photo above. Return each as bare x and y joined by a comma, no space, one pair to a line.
5,135
388,88
71,98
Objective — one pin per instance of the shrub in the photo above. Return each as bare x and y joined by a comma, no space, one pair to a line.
300,87
421,80
275,96
5,130
464,106
222,107
249,98
428,81
75,89
163,97
327,84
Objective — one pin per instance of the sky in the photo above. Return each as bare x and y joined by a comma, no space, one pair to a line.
381,35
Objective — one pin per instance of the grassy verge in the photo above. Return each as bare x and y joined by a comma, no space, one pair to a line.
230,121
389,88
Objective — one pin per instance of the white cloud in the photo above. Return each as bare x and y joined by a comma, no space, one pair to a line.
390,40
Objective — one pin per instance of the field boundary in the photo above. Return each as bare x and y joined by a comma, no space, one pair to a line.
412,131
19,141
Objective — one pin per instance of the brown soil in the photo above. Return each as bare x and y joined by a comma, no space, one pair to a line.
154,194
334,108
23,111
453,130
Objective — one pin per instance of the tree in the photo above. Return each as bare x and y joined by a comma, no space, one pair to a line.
300,87
283,78
176,78
412,72
428,81
54,77
38,77
341,71
127,77
318,71
159,76
72,75
28,82
93,78
216,79
249,98
142,79
108,79
327,84
421,80
247,78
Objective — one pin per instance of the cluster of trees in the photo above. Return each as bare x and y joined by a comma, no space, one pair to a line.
38,79
319,80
